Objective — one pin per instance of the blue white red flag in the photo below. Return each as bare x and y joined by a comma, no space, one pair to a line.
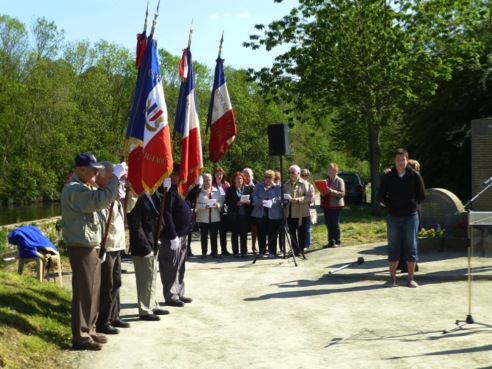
150,159
187,124
221,119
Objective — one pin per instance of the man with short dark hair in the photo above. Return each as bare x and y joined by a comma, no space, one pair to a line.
402,190
81,203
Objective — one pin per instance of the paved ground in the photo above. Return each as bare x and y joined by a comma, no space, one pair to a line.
273,314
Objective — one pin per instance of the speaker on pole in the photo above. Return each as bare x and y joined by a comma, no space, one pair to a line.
278,139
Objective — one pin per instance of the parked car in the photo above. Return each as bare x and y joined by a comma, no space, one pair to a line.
355,188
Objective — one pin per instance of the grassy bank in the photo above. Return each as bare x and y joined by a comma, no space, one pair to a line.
34,322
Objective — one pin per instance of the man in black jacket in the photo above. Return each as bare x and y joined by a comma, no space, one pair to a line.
174,238
402,190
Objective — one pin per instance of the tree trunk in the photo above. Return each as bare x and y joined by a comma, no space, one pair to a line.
374,161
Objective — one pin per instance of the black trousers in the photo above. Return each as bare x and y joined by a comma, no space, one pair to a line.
109,302
267,231
297,233
205,230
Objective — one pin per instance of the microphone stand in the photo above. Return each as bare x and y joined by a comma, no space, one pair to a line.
459,324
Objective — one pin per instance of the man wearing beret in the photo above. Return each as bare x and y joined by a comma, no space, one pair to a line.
81,204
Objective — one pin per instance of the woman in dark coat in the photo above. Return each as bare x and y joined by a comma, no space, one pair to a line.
238,213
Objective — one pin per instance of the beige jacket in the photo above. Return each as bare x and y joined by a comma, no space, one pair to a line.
301,198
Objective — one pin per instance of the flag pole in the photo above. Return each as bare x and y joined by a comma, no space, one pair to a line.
146,17
156,14
191,34
221,42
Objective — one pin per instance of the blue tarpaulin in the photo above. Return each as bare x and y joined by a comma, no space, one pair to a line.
31,242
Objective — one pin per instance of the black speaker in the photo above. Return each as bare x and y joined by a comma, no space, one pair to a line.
278,140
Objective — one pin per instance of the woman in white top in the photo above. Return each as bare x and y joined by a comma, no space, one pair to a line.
208,206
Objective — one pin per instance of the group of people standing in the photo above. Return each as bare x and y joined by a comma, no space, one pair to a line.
243,206
95,200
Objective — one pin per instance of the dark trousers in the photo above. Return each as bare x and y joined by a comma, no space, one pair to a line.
297,233
240,234
223,228
109,302
332,221
267,231
86,284
172,267
205,230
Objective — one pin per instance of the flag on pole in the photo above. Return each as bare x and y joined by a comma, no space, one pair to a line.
150,159
187,124
221,119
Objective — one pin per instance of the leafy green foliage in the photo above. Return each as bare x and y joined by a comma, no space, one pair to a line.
368,60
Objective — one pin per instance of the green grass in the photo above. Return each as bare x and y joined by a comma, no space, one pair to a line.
34,322
358,226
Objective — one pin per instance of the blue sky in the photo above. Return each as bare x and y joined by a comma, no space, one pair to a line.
119,21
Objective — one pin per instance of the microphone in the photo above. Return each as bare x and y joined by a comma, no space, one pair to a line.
487,181
360,260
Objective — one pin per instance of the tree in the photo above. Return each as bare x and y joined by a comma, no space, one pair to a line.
369,59
47,38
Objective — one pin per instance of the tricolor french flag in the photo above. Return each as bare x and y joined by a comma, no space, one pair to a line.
221,119
150,160
188,125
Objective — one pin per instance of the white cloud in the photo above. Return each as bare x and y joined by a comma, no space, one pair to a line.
244,15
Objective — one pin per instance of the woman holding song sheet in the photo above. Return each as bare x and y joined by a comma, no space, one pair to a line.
267,210
238,204
208,206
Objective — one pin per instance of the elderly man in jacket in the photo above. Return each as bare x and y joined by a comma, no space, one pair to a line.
81,203
114,244
296,190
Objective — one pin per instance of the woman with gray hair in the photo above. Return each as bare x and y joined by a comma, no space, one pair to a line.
209,202
296,190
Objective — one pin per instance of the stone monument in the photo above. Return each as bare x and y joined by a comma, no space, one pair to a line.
442,207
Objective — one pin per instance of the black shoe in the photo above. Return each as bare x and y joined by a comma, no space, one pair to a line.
150,317
186,300
226,253
118,323
175,303
203,257
161,312
91,345
215,256
245,256
107,329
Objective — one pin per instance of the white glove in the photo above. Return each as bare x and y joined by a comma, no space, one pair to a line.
119,170
149,255
175,243
199,181
167,183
